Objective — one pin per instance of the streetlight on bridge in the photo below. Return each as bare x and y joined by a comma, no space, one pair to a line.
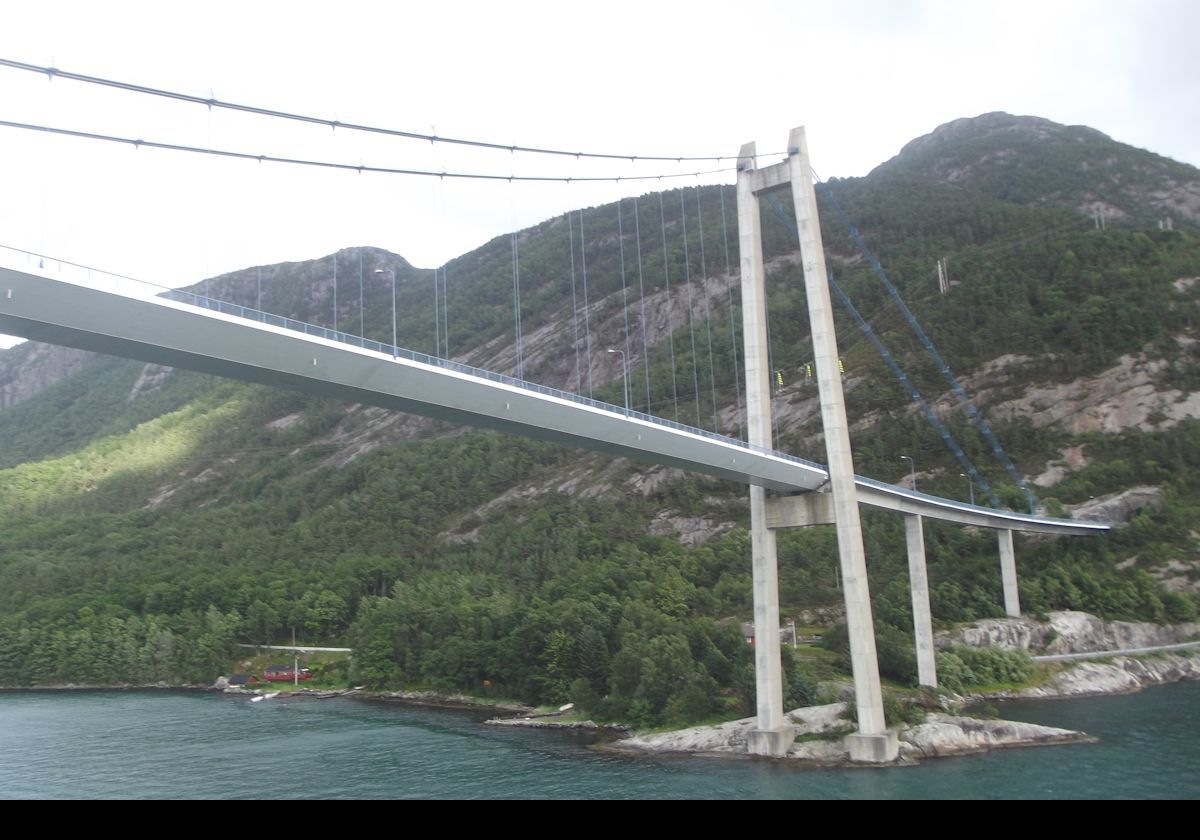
970,485
912,466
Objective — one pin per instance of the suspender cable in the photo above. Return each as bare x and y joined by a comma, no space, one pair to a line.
587,321
437,316
446,310
733,336
941,364
574,304
687,274
438,284
662,218
624,304
637,230
516,274
771,369
712,368
362,317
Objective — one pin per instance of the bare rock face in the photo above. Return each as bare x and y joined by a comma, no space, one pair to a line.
32,367
1007,633
1122,397
149,380
690,530
1067,632
1072,459
1118,507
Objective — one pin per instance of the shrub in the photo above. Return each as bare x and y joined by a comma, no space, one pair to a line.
962,668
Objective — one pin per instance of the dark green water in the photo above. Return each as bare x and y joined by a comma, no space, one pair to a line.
175,745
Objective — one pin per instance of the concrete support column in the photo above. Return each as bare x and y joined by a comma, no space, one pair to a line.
922,615
1008,574
775,732
774,735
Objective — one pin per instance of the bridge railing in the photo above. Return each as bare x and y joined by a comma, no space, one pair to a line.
916,495
80,275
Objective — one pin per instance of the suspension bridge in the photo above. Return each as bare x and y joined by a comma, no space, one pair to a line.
71,305
61,303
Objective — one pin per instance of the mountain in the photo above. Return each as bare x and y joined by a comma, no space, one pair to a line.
151,517
1036,162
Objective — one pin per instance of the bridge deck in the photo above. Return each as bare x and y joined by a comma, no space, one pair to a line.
140,321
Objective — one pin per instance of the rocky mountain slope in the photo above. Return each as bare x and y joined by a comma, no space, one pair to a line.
1033,161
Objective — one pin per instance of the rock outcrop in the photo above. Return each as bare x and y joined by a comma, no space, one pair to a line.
942,735
1118,507
1121,675
1067,632
731,737
1125,396
32,367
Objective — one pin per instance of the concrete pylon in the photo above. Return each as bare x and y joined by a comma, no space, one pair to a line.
1008,574
918,580
873,742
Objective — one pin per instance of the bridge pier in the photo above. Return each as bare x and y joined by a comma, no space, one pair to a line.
1008,574
774,734
918,580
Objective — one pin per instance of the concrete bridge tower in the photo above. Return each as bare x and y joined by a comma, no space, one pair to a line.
839,503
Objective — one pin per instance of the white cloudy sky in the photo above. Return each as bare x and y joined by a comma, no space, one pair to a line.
648,77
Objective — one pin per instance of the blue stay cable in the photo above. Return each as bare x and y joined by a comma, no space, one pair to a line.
908,384
942,366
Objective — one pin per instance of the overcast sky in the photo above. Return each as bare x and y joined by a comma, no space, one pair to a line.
647,77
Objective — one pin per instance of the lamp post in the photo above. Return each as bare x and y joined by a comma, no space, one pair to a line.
912,466
970,485
624,378
393,275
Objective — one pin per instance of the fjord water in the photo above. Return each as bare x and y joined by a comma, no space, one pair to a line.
184,745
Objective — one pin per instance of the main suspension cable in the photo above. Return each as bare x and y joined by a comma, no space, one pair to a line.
211,103
349,167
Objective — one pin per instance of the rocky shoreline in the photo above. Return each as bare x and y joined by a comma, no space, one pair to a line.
548,722
1119,675
820,732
